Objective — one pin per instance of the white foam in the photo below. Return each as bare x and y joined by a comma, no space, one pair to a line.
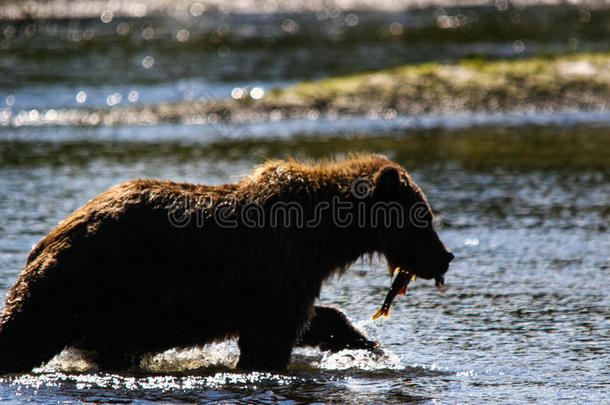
174,360
359,359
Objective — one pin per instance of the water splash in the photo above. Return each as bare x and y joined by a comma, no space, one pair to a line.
69,360
223,354
176,360
359,359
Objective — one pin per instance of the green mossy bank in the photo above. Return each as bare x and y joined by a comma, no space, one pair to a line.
580,81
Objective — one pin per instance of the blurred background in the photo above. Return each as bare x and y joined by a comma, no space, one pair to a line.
498,109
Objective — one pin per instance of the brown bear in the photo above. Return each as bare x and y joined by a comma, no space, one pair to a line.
149,265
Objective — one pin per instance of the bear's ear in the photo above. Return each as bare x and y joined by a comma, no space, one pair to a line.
387,178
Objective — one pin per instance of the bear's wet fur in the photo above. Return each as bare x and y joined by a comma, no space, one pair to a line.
149,265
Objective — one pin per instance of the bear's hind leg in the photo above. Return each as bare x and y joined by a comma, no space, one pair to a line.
23,347
33,329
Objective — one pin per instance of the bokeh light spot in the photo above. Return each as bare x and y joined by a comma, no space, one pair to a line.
197,9
133,96
81,97
148,62
183,35
148,33
114,99
257,93
237,93
518,46
351,20
106,16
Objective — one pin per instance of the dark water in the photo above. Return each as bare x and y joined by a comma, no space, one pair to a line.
524,315
523,201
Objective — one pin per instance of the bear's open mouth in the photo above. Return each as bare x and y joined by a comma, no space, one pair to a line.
439,278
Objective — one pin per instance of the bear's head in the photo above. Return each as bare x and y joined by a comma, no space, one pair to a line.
409,240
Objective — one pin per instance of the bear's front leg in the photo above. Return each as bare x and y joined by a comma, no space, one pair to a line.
267,337
266,346
329,329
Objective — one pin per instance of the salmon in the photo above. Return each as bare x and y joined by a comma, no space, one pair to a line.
399,287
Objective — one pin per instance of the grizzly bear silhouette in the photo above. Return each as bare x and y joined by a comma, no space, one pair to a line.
151,265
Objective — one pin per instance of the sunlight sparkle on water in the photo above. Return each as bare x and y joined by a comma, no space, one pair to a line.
359,359
91,381
471,242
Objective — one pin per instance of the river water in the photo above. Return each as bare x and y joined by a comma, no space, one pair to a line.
522,201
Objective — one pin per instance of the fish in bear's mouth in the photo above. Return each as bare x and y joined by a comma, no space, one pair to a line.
399,287
439,278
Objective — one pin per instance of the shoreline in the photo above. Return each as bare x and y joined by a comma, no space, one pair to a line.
545,84
84,9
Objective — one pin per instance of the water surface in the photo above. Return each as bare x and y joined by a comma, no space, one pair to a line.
522,200
523,316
